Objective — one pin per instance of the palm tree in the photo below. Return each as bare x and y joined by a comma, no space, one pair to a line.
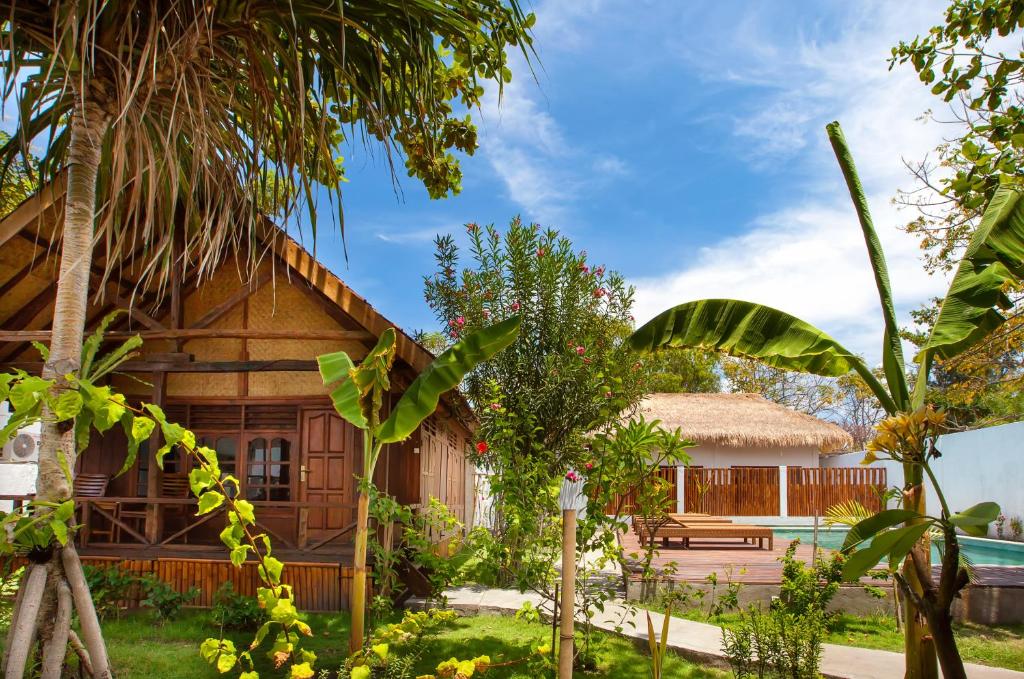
167,115
993,260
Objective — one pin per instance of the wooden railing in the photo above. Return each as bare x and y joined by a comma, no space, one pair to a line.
625,504
811,491
122,519
733,491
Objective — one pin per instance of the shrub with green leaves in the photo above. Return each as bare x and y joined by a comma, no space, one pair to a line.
164,599
233,610
809,589
775,644
111,588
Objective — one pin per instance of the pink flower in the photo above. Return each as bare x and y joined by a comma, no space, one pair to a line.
471,227
540,252
599,292
454,334
607,394
482,447
599,271
495,406
589,466
580,350
584,268
460,321
572,476
515,306
632,317
587,361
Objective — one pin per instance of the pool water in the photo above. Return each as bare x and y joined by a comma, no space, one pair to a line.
980,552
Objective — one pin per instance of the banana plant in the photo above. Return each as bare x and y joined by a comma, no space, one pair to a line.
972,309
357,392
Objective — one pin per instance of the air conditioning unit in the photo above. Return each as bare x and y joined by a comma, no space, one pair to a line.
23,446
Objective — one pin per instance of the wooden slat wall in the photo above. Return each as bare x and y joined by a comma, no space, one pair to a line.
734,491
318,586
811,491
666,472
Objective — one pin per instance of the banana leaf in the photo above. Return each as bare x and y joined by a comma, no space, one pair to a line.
445,373
755,331
892,349
993,261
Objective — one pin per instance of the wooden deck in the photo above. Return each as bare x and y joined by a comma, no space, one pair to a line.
754,566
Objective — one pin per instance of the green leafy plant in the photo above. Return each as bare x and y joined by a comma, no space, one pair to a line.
1016,527
658,646
112,588
810,589
973,308
164,599
357,393
236,611
776,644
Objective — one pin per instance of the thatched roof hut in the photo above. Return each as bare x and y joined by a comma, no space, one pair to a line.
743,421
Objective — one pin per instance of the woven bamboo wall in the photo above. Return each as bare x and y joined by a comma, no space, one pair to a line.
285,307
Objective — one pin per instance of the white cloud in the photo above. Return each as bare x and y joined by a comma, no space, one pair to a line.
414,236
808,256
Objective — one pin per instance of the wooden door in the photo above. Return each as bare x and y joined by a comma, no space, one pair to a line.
330,451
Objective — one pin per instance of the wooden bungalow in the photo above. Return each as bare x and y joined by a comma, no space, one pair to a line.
232,356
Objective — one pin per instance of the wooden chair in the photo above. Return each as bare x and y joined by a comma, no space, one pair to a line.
90,486
176,486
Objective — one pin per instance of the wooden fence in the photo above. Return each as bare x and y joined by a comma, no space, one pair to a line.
733,491
811,491
628,504
318,586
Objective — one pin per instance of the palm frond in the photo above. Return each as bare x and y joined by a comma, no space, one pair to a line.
208,109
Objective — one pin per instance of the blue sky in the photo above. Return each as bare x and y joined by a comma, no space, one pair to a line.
682,145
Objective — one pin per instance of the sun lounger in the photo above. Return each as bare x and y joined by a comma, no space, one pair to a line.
710,531
687,519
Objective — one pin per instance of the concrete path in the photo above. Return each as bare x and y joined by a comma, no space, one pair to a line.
702,642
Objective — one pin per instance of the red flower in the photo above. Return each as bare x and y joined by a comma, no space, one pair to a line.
584,268
460,321
482,447
587,361
572,476
540,252
589,466
471,227
607,394
599,292
580,350
515,306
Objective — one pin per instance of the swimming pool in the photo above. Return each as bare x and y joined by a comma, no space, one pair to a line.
979,550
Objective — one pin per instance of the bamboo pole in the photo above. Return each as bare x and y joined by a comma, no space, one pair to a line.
565,647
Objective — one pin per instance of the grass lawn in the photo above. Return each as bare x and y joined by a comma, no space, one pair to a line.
141,648
1001,646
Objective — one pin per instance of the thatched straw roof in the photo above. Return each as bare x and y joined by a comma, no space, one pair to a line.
742,421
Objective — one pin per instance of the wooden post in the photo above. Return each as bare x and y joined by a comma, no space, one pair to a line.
566,647
154,517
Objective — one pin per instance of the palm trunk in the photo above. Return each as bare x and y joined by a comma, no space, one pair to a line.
358,597
57,453
919,646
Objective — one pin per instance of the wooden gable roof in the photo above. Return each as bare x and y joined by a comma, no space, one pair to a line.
29,259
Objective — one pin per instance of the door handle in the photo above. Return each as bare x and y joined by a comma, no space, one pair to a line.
303,470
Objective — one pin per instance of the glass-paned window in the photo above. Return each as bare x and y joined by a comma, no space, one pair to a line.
227,455
268,476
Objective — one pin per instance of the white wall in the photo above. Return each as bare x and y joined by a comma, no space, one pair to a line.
710,455
976,466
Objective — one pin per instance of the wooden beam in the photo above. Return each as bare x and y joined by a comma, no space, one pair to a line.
203,333
25,271
31,209
28,313
217,312
280,365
